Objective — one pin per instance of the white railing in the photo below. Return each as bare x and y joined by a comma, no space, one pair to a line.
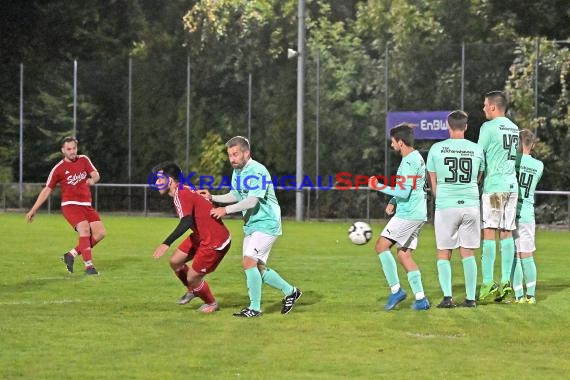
136,200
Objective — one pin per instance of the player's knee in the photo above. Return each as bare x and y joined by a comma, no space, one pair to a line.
381,246
249,262
100,235
82,228
175,263
194,279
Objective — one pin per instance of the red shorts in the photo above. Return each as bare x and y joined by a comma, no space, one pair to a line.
204,260
74,214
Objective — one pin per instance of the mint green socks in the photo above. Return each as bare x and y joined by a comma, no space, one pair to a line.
253,280
518,279
415,280
273,279
529,269
444,276
488,260
507,258
470,273
389,267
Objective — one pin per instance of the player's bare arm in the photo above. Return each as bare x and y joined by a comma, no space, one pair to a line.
433,182
160,250
95,177
42,197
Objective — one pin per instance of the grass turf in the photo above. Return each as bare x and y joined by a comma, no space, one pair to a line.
125,323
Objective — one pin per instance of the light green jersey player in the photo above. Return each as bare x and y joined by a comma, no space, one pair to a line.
254,180
253,195
499,139
413,170
529,171
409,198
457,163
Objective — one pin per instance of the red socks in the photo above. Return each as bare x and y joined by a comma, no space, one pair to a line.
203,291
84,248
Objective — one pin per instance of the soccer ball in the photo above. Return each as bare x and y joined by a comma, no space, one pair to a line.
360,233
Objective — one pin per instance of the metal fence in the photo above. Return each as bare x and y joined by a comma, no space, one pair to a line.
145,100
551,208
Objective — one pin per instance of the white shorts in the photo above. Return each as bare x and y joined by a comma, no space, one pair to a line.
403,232
458,227
499,210
524,237
258,245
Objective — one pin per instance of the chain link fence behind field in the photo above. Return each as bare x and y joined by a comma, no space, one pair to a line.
552,208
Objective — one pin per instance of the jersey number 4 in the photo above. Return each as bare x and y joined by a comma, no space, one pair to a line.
461,169
511,144
525,180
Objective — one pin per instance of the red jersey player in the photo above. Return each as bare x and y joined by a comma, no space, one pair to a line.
206,246
75,174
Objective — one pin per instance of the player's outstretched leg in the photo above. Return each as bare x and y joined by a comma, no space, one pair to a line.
415,280
390,270
84,248
289,301
292,294
254,282
68,259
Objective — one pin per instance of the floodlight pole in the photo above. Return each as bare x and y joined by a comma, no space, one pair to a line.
300,101
74,98
21,147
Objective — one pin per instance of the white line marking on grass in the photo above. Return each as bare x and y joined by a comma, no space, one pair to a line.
50,302
431,336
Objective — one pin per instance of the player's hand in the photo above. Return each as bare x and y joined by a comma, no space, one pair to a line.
89,181
30,216
218,212
206,194
161,250
390,209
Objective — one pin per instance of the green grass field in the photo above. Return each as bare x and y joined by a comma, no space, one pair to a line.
125,323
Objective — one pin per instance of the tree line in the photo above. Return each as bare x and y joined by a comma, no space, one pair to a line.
516,46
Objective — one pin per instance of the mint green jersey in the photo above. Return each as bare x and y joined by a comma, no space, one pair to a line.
499,139
456,164
254,180
413,169
529,171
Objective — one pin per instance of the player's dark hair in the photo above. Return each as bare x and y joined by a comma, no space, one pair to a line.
170,169
527,138
498,98
403,132
69,139
238,140
457,120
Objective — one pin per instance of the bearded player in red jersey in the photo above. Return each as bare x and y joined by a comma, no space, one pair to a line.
75,174
206,246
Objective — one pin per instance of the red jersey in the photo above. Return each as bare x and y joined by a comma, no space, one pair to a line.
72,178
210,232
